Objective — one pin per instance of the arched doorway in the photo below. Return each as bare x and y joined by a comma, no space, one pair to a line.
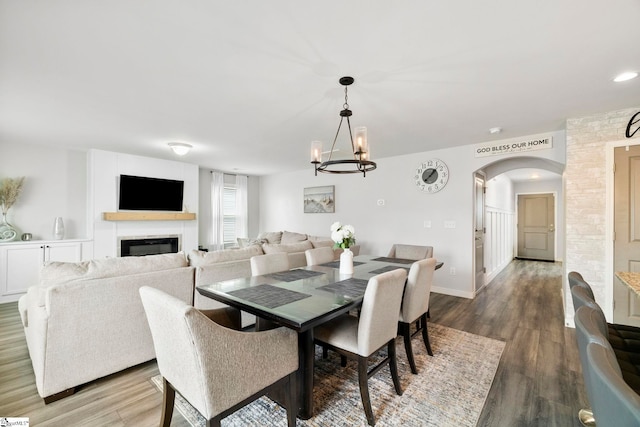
505,179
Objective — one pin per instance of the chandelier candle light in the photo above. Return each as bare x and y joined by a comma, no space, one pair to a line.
344,236
361,162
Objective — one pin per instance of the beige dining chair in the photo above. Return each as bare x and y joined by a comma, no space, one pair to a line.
320,255
414,252
216,369
269,263
415,305
377,326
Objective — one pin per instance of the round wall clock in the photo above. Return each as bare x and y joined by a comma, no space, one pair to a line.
432,176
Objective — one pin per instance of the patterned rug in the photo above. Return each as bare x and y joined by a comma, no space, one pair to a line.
449,390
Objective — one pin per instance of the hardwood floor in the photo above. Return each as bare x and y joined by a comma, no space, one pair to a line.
538,382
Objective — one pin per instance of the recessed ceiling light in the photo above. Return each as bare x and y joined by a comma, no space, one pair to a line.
495,130
623,77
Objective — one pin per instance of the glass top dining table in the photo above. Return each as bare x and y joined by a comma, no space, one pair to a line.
301,299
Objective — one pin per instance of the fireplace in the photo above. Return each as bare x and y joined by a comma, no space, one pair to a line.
148,245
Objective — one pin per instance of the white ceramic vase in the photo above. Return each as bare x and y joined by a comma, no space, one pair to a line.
346,262
58,228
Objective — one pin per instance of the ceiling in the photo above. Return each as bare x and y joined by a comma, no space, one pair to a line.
251,83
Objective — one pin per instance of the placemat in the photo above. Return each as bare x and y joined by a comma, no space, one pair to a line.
351,288
388,268
336,264
396,260
293,275
268,296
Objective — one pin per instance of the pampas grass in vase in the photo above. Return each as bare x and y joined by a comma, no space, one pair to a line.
10,189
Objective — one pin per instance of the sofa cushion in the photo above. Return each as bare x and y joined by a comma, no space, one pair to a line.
271,236
61,272
290,237
270,248
198,258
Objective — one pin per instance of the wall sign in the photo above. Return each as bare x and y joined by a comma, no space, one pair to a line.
502,147
633,121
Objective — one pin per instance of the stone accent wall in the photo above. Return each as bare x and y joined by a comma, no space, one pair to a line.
585,192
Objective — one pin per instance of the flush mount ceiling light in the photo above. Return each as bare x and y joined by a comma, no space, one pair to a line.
623,77
495,130
361,162
180,148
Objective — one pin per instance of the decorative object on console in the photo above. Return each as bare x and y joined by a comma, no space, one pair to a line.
10,189
359,147
58,228
320,199
344,237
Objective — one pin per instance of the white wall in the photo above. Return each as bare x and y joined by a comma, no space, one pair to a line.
55,185
104,169
405,209
499,226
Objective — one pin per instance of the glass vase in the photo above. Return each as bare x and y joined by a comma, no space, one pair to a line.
7,231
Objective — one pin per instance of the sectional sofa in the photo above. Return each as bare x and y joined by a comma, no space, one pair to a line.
85,320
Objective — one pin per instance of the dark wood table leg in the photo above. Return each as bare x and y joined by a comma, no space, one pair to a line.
306,355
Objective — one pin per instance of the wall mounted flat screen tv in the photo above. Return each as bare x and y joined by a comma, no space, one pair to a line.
139,193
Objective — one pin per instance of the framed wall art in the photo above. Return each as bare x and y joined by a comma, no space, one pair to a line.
320,199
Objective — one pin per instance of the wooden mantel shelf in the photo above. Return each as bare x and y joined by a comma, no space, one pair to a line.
148,216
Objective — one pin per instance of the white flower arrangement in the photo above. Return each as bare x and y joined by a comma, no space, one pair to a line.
343,236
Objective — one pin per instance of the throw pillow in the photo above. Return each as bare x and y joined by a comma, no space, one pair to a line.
271,236
289,237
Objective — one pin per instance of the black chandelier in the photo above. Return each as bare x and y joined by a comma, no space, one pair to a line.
361,162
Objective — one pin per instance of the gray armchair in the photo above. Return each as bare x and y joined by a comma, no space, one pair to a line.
216,369
415,304
410,252
359,338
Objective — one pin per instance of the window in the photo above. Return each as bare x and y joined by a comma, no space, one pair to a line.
230,216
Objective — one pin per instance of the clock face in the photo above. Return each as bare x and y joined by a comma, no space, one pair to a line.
431,176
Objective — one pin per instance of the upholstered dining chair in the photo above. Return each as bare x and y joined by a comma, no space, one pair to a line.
319,255
410,252
218,370
359,338
415,304
614,402
269,263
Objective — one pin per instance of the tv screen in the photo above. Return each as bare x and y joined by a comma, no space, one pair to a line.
140,193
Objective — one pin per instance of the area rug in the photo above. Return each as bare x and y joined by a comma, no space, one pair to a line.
449,390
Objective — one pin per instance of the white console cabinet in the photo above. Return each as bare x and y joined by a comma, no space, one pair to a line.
20,262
